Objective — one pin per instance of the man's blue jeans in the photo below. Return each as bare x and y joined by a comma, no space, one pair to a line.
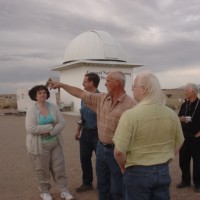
109,176
147,182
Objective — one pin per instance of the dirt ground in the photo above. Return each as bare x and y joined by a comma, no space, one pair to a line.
16,176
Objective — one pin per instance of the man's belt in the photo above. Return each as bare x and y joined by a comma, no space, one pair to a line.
90,129
107,145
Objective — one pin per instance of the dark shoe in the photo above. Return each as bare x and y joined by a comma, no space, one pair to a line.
84,188
197,189
183,185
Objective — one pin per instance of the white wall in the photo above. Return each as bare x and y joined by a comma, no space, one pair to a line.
23,100
74,76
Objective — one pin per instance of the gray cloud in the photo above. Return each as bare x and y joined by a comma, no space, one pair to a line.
162,34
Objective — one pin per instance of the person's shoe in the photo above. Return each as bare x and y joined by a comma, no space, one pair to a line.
197,189
183,185
84,188
46,196
66,196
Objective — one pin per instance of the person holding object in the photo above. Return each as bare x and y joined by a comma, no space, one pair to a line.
189,116
87,133
44,123
146,139
108,107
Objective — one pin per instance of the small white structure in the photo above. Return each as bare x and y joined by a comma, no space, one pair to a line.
24,101
92,51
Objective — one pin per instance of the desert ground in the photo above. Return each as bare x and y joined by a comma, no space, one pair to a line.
16,176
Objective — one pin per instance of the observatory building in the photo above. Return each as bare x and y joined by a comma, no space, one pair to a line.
92,51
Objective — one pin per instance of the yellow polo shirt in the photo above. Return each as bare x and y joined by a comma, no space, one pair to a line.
148,134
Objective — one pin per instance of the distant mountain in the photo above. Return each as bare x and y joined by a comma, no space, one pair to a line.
198,85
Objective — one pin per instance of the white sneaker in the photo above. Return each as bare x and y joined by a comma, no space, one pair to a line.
66,196
46,196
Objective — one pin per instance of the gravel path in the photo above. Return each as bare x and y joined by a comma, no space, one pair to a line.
16,176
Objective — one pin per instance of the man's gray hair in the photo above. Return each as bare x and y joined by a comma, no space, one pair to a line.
151,83
118,75
193,87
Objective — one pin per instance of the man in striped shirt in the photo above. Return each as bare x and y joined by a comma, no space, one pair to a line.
109,107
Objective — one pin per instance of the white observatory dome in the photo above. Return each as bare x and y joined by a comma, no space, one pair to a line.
94,45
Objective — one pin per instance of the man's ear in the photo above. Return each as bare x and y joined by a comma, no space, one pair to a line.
117,82
144,90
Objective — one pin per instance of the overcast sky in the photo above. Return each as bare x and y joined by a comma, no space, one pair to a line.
164,35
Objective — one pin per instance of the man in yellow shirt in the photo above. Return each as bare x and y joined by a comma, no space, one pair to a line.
146,139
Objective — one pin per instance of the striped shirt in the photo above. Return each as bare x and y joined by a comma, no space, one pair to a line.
108,114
